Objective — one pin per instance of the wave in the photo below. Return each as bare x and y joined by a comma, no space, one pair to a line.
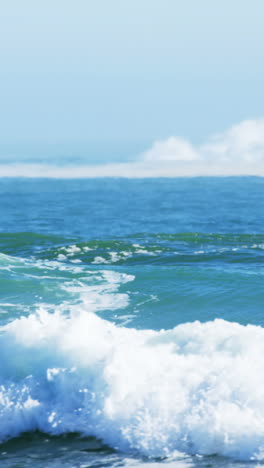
30,284
160,248
195,389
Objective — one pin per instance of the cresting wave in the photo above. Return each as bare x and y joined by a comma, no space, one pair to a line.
195,389
161,248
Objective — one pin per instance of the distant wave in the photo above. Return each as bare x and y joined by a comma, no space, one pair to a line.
134,170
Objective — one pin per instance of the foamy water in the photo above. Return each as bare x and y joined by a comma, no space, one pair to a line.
196,389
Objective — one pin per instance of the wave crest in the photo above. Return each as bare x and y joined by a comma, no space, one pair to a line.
197,388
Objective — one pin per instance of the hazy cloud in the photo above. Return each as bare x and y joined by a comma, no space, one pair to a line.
172,149
243,142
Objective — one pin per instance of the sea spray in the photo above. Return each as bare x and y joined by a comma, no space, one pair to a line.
196,389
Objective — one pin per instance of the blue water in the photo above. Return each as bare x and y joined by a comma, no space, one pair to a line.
131,316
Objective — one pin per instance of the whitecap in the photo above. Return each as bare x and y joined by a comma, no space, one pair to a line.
195,389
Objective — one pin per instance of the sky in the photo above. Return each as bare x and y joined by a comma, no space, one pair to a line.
106,81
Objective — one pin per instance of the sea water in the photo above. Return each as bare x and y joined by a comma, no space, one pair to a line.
131,322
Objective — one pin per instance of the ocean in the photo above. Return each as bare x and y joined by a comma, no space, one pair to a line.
131,322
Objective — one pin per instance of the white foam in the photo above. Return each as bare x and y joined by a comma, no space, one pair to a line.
87,249
196,389
100,260
95,290
115,257
61,257
145,252
71,250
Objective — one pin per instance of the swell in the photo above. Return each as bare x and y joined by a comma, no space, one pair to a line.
160,249
27,243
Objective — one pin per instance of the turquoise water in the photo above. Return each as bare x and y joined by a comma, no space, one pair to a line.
131,322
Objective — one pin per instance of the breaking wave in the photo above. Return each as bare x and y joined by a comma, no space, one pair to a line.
196,389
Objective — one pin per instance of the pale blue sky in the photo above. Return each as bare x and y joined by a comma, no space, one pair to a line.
78,72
